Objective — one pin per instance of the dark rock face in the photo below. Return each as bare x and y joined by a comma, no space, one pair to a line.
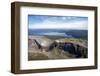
72,48
75,49
52,46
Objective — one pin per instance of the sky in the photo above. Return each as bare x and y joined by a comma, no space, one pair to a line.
57,22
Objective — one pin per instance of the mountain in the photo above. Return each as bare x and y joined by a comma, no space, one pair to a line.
83,34
63,48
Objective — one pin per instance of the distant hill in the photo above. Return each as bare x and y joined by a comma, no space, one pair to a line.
83,34
78,33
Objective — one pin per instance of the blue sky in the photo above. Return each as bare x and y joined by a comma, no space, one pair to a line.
57,22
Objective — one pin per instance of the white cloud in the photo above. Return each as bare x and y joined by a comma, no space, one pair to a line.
78,25
55,33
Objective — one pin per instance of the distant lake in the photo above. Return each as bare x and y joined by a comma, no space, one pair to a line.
83,34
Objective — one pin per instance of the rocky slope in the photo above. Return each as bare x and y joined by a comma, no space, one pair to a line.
43,48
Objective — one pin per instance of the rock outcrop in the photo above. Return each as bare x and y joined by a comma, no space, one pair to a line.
73,48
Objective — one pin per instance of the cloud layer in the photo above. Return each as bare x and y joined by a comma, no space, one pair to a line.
51,22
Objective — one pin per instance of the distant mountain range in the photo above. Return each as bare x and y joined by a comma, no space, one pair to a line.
83,34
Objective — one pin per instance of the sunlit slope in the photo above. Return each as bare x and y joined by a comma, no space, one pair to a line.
56,53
